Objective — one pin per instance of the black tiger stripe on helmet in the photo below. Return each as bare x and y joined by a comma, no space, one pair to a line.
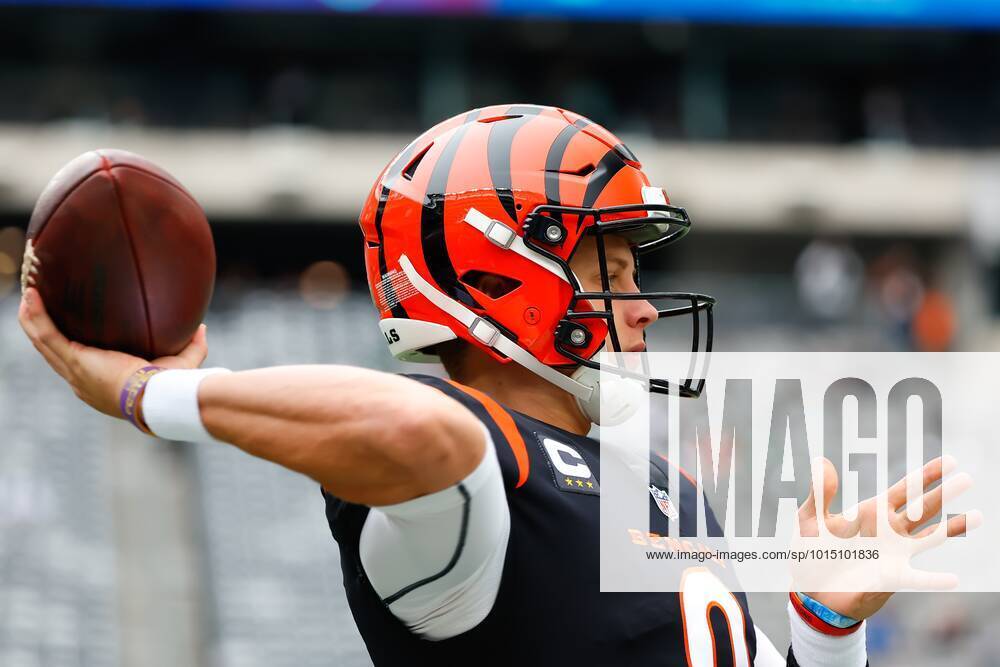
433,243
498,153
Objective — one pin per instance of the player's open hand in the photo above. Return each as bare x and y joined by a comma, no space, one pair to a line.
96,376
858,587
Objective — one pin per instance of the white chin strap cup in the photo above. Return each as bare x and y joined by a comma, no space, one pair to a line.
613,401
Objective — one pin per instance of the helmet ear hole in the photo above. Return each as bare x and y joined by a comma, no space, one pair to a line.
493,285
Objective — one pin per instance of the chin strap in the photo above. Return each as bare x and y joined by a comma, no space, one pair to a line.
621,396
500,234
490,335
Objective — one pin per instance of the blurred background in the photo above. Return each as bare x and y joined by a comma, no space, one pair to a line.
840,160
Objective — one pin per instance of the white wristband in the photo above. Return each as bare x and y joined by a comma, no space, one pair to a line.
812,648
170,405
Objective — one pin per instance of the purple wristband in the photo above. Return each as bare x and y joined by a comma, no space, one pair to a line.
133,389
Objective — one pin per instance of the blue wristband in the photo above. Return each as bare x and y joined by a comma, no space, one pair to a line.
826,614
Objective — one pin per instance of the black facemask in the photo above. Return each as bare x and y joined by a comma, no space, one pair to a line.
658,226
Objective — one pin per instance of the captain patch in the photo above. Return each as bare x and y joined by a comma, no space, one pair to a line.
570,471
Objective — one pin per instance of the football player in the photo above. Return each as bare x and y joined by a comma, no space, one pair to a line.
504,242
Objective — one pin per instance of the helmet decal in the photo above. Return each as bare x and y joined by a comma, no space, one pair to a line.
392,290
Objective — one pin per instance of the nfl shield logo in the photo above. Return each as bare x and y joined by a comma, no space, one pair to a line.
663,502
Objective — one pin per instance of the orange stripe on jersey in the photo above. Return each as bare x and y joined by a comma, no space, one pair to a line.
679,469
507,426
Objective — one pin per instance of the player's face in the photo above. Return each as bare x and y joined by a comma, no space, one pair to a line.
631,316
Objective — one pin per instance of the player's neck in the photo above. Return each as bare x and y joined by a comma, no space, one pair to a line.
519,389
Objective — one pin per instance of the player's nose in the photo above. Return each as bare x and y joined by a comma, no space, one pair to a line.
639,314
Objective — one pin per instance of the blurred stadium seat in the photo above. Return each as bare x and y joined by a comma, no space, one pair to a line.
58,583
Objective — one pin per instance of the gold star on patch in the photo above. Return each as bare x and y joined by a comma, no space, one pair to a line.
569,482
590,485
579,483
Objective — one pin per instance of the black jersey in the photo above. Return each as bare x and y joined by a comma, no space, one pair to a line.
549,609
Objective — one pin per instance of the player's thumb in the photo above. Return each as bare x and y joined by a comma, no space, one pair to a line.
823,481
191,356
830,482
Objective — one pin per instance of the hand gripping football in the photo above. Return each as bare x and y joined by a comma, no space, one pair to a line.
121,254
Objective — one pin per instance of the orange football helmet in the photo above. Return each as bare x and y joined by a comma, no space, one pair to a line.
509,191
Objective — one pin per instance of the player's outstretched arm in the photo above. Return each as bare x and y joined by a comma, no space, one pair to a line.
368,437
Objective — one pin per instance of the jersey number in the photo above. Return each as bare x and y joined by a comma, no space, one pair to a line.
702,597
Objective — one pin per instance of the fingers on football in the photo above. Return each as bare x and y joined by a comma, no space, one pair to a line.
930,473
191,356
43,333
197,350
933,499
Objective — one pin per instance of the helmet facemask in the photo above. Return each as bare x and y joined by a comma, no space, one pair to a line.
647,227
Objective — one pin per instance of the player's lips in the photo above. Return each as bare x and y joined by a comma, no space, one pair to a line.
638,347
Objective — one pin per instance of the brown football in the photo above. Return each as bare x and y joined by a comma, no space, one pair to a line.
121,254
